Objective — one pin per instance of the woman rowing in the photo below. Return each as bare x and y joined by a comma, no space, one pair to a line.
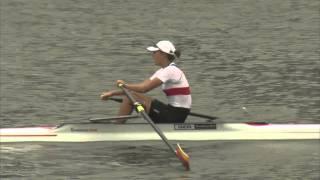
174,84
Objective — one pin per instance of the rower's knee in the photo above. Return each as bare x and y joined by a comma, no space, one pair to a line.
126,100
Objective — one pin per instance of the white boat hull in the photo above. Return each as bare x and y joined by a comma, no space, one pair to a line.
88,132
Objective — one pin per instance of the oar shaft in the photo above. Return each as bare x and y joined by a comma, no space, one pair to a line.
178,152
140,109
113,118
203,116
191,113
115,99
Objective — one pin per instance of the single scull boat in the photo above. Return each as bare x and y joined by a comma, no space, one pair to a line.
87,132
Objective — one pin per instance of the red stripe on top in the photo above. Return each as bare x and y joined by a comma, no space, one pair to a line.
177,91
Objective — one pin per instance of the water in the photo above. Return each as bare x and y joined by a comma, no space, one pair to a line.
58,56
209,160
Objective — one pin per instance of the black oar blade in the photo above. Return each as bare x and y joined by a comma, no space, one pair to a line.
184,157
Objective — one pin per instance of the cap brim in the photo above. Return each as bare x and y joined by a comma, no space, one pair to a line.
151,48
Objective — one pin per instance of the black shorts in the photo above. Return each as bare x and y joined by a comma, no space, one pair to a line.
163,113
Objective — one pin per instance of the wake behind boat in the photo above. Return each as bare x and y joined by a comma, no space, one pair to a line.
106,131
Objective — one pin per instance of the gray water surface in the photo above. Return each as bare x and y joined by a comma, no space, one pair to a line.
57,56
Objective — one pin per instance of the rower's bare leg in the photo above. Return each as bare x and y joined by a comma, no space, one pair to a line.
127,107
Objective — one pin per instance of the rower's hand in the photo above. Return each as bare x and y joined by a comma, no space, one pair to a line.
120,82
106,95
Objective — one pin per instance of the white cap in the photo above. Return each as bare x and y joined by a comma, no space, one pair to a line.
164,46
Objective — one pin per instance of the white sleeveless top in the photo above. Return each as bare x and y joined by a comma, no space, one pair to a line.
175,86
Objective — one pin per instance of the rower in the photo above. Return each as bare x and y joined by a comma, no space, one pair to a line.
173,82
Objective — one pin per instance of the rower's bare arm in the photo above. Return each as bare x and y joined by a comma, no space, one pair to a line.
144,86
107,94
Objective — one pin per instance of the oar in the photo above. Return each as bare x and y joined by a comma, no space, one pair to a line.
183,157
203,116
97,120
191,113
